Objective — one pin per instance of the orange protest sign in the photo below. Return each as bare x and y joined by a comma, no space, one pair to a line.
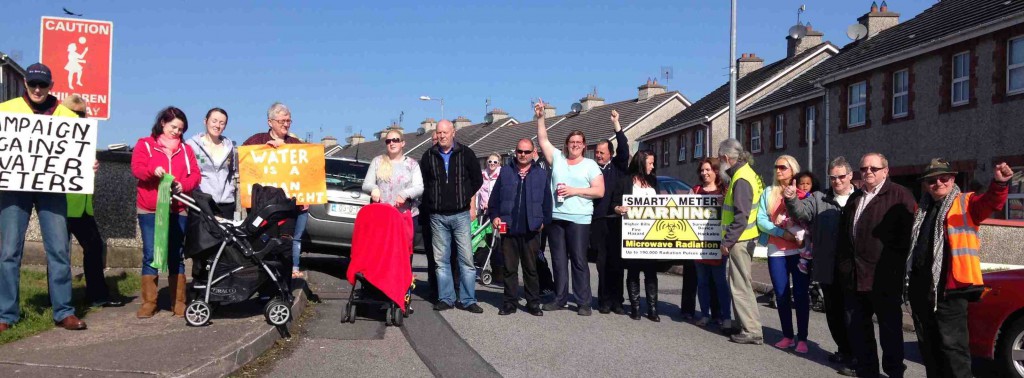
296,168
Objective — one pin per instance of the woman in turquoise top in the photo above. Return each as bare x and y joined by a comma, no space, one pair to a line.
575,181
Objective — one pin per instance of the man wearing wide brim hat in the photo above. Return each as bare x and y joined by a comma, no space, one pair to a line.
943,268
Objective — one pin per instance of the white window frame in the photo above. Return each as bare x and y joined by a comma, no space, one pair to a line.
860,106
780,131
683,141
665,151
1010,66
964,81
810,117
901,93
698,144
755,148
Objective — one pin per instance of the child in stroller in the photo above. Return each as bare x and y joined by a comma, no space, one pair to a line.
231,262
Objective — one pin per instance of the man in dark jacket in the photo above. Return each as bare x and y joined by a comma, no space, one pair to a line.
451,176
521,200
609,259
824,210
874,240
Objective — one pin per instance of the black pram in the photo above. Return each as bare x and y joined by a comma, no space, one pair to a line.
232,262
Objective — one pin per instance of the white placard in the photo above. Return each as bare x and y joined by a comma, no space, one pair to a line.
47,154
672,227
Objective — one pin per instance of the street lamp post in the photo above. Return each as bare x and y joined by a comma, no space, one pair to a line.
427,98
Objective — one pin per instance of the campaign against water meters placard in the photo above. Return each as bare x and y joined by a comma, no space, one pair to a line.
41,153
299,169
672,227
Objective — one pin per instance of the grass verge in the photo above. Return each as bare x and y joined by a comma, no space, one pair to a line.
34,299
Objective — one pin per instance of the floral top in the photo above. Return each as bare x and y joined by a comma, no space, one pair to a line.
406,181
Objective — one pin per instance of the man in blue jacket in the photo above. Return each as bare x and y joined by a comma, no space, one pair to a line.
521,199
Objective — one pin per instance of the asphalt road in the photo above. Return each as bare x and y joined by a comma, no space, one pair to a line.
561,343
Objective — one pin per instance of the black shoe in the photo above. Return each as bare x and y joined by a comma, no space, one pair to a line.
441,306
474,308
535,311
604,309
552,307
618,310
746,338
847,371
583,311
838,358
507,309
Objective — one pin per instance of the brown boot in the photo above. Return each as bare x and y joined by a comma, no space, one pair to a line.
148,295
176,286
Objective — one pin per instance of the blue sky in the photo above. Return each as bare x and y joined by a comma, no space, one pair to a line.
359,64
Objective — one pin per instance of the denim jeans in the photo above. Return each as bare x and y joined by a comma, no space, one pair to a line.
300,227
780,269
708,275
568,243
15,209
445,230
175,237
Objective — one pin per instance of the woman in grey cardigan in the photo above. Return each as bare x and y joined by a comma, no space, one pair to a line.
218,161
824,210
394,178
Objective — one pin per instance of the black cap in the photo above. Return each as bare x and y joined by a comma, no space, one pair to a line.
38,73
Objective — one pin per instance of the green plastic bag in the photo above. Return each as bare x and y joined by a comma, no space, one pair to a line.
163,220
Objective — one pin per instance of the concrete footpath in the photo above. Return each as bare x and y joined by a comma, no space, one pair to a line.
117,344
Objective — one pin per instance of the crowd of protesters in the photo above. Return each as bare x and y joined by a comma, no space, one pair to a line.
871,249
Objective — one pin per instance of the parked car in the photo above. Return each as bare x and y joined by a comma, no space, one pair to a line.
996,322
329,228
672,185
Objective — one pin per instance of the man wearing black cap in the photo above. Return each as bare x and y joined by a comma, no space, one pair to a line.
943,269
15,209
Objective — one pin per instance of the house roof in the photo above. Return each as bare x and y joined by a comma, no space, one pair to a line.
7,61
594,123
944,19
717,100
415,143
465,136
937,24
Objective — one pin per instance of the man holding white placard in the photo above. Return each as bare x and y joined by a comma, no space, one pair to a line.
16,208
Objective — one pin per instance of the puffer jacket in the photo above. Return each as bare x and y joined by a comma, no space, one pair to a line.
182,164
824,213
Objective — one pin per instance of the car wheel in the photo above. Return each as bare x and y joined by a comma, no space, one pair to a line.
1010,350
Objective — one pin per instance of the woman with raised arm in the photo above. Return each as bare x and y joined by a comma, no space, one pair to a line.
575,182
640,180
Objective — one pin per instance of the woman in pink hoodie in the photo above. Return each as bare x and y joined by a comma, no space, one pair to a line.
161,153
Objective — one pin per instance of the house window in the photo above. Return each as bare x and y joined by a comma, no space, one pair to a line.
900,93
780,132
664,152
682,148
698,144
857,104
1015,66
810,114
961,78
755,137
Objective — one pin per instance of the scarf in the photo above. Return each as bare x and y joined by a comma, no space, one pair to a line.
938,247
170,145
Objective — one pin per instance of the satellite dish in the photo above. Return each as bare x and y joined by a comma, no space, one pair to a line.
489,118
856,32
798,31
576,107
421,131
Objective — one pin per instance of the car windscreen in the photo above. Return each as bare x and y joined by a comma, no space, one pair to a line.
345,173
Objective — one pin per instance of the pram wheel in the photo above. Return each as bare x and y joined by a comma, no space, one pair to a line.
486,278
396,318
277,312
197,314
389,315
352,313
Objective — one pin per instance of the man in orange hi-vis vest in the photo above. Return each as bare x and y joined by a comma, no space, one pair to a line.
943,269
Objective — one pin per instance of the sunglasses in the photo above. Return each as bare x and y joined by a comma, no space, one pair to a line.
492,162
782,167
38,84
872,169
837,178
392,140
943,179
524,152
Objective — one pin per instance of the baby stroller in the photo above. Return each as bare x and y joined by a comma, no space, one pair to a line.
380,266
480,231
232,262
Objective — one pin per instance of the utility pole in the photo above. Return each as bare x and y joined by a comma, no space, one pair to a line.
732,73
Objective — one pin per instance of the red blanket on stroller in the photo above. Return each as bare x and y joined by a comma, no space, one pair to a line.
381,250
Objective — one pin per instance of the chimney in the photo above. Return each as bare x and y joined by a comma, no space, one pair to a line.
461,122
550,111
329,141
497,114
650,89
748,63
879,19
589,102
356,139
395,126
795,46
428,124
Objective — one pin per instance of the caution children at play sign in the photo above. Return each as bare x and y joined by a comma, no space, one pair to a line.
672,227
79,53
